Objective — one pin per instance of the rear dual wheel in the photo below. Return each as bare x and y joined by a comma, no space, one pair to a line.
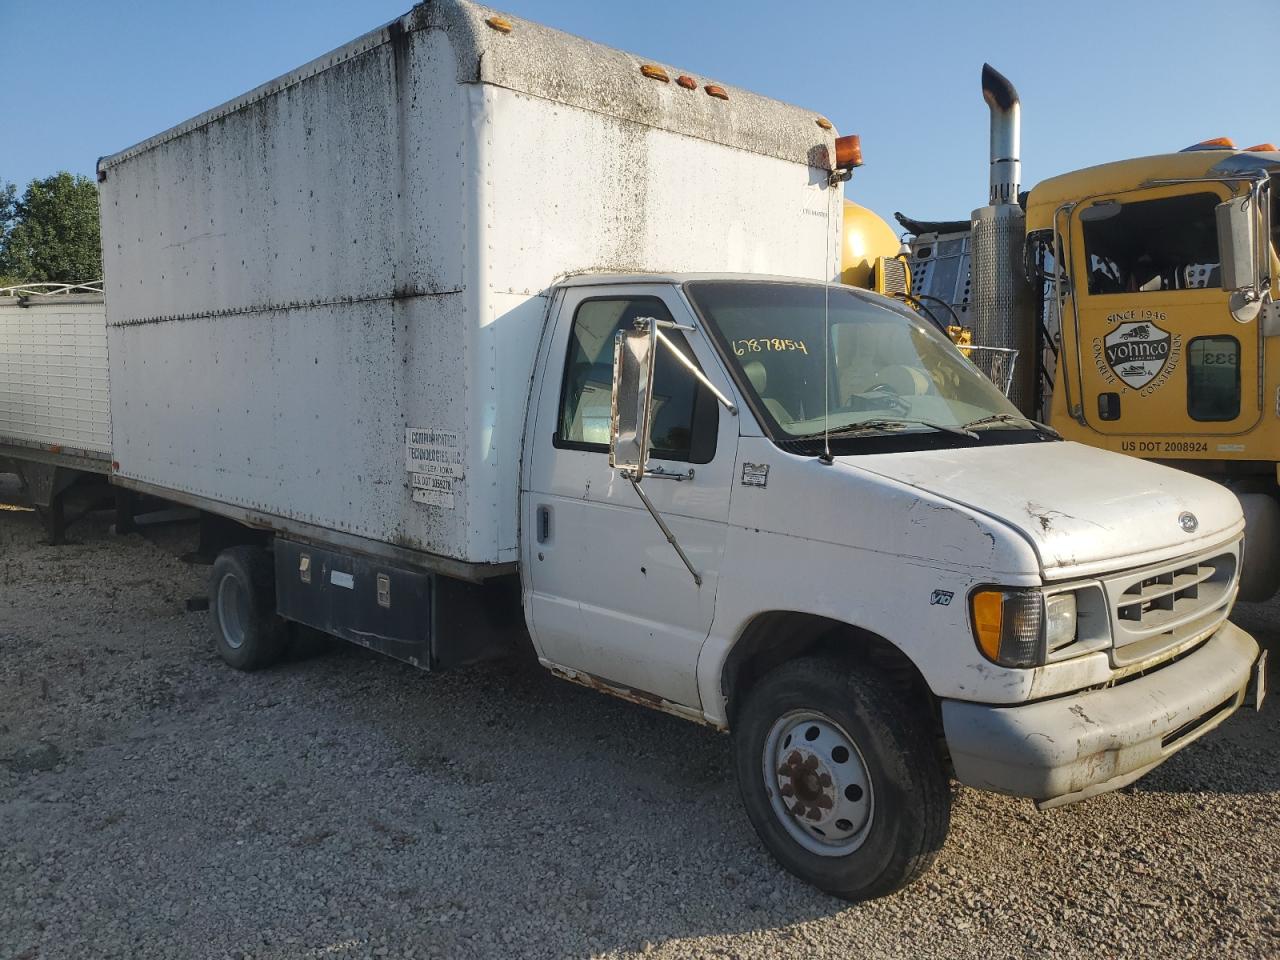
242,599
840,779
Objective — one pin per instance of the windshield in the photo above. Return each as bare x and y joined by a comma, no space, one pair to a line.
885,363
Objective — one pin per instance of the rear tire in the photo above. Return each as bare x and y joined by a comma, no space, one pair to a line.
840,779
242,599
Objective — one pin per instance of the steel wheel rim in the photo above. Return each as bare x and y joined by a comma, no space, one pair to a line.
233,611
817,783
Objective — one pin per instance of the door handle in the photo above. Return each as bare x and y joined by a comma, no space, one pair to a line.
658,473
543,523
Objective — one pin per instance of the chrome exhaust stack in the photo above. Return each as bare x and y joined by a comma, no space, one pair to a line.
1006,135
1001,302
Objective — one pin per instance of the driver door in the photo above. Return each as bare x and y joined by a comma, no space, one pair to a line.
605,593
1160,353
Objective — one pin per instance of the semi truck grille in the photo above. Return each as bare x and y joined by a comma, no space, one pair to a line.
1156,608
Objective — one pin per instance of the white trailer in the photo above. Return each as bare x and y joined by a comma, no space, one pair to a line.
483,331
55,427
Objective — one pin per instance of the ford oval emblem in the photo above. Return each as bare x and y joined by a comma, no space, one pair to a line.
1188,522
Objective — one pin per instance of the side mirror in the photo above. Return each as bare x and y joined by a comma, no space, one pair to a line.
1238,247
631,414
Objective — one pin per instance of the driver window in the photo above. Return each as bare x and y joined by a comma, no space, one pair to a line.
1150,245
685,416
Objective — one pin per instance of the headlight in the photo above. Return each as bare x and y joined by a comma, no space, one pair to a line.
1020,628
1059,621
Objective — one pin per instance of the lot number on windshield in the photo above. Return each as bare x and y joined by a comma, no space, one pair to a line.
768,345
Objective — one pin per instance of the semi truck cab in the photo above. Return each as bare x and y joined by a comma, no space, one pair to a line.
1141,299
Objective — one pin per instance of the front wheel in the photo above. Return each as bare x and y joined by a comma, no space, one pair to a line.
840,780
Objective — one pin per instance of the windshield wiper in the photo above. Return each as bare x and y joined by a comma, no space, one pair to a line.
885,424
1011,418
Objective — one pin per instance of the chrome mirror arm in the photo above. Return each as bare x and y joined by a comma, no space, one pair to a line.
691,366
666,531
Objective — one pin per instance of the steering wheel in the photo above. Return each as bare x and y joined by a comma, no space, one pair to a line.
887,396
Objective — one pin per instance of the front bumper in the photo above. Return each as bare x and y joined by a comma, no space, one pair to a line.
1069,748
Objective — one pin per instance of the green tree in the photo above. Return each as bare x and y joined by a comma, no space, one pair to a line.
50,233
8,201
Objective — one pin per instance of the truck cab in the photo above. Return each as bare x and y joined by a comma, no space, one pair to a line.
833,498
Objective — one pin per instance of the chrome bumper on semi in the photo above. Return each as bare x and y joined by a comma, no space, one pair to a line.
1069,748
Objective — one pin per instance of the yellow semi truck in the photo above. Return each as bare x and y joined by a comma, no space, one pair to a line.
1140,299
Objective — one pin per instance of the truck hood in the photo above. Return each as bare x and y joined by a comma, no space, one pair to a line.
1084,511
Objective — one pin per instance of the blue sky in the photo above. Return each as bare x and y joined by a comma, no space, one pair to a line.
1106,80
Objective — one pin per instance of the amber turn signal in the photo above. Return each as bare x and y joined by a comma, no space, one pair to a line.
1008,625
988,621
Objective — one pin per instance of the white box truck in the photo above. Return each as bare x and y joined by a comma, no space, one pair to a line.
483,331
55,426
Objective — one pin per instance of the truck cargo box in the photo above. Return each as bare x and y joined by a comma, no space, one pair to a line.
54,403
324,297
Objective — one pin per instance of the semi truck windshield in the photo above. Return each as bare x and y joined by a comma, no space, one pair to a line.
881,363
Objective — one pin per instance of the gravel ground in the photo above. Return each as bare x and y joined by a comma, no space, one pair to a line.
156,803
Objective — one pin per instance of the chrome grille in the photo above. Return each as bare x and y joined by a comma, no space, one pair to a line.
1159,607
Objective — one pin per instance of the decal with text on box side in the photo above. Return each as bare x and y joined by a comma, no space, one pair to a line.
433,459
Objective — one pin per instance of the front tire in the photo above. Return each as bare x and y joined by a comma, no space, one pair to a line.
242,599
840,779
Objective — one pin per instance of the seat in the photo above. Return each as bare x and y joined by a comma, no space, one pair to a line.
759,377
